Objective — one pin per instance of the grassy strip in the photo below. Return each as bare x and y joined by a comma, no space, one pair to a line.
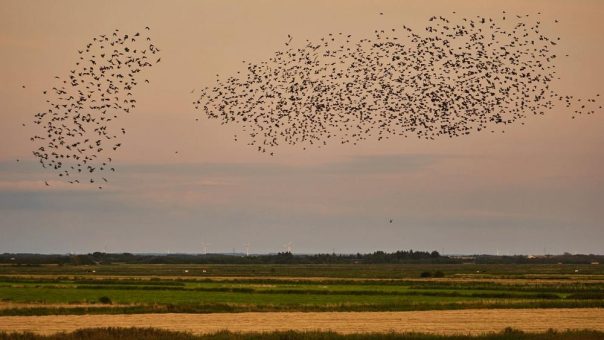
158,334
492,295
500,295
569,287
548,292
537,286
561,272
239,308
544,294
586,296
128,281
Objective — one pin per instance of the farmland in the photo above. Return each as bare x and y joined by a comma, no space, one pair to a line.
269,289
449,322
48,289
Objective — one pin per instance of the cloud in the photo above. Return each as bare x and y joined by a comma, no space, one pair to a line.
262,185
40,185
198,169
190,186
351,164
383,164
365,164
59,201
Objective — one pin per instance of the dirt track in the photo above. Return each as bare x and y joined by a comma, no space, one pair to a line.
445,322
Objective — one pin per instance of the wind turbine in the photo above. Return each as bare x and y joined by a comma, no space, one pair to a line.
288,247
205,246
247,249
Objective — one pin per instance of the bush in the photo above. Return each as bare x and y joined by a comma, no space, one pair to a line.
425,274
105,299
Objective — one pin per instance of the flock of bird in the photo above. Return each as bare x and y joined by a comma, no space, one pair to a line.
455,77
80,129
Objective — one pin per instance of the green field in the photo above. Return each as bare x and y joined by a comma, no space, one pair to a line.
51,289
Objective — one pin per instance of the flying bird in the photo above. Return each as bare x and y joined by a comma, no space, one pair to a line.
455,77
80,125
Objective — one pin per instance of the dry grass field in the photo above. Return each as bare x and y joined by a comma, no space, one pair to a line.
436,322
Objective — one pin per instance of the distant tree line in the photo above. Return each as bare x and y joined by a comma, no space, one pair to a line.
378,257
403,256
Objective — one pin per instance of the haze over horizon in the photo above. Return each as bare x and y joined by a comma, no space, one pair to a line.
536,188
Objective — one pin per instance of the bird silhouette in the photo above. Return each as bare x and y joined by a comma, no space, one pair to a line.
457,76
78,131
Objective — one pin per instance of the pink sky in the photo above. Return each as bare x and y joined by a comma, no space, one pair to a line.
536,186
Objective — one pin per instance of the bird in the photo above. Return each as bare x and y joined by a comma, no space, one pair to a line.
80,126
455,77
390,220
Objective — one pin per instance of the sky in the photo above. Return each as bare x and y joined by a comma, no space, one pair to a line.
537,188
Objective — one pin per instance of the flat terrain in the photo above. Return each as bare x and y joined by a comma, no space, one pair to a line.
438,322
343,298
101,295
136,289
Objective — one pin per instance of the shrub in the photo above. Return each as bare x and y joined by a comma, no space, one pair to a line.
105,299
425,274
